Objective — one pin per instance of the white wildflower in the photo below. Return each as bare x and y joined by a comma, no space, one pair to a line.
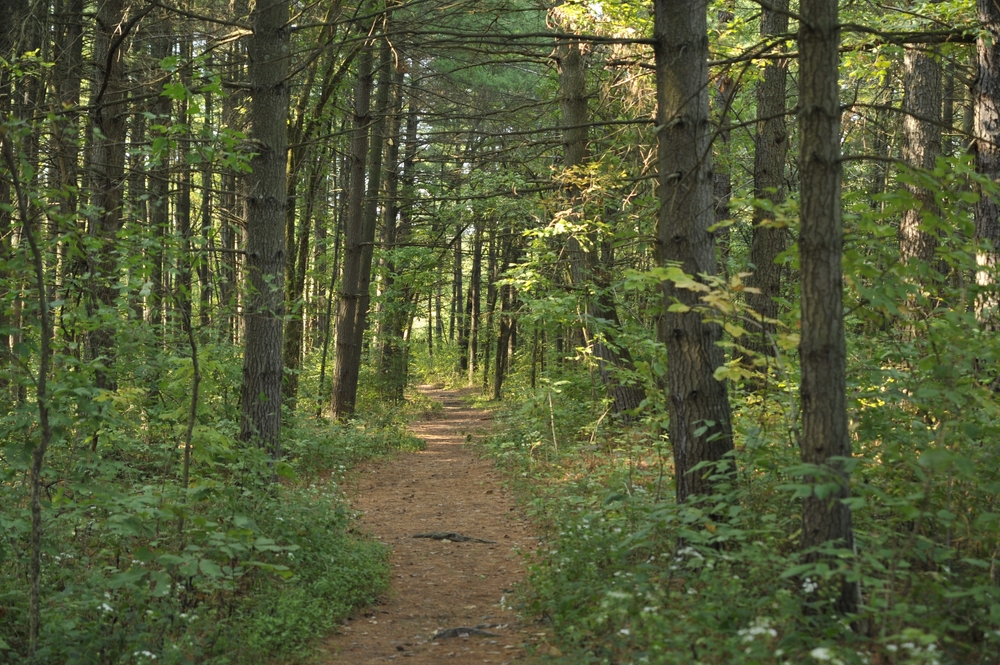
821,653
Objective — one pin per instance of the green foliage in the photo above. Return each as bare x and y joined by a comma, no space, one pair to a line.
629,576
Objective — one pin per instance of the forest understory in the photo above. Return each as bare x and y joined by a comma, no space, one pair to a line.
726,275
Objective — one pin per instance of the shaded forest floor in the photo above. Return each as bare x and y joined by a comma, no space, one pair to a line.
440,584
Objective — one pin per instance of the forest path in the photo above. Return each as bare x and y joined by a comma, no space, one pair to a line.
437,585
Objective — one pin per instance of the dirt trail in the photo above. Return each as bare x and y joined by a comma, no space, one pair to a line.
437,585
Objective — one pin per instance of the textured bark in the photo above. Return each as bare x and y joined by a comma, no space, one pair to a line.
392,369
343,398
824,439
264,305
700,429
159,186
986,100
68,74
770,151
722,178
922,91
107,177
359,235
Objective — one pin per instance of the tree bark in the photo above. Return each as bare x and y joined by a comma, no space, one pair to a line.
824,440
396,296
359,236
922,90
722,177
475,279
107,178
986,100
700,429
264,305
770,151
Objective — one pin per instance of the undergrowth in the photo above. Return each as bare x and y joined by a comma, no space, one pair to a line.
628,576
236,569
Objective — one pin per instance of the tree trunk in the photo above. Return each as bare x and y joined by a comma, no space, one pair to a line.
159,185
700,429
392,376
491,302
345,375
722,178
922,90
207,202
770,150
183,291
824,440
107,179
68,74
359,236
475,279
986,100
264,305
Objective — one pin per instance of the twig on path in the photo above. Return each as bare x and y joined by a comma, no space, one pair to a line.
462,631
453,537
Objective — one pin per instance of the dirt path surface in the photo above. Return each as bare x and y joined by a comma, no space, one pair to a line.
441,584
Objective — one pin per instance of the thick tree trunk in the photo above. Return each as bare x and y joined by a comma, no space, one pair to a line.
824,441
264,305
921,147
107,178
360,231
770,150
700,429
68,75
986,100
345,375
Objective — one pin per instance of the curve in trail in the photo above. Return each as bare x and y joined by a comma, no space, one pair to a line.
438,585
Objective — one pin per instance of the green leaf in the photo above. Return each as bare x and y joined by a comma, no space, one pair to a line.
170,560
143,554
162,583
210,568
128,578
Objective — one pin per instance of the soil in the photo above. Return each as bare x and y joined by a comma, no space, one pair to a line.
439,585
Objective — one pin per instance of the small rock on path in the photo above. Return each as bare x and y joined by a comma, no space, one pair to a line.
440,585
